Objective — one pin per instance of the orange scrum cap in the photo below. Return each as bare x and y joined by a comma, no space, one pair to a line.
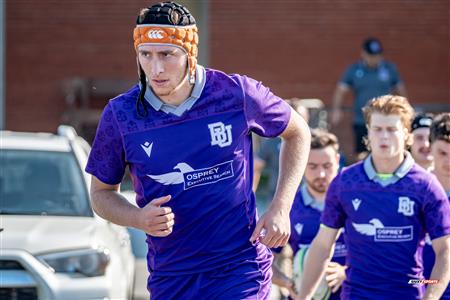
183,37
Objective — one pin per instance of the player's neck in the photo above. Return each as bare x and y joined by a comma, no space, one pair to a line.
318,197
387,165
444,180
179,94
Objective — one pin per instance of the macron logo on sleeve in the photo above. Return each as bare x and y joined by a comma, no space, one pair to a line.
147,148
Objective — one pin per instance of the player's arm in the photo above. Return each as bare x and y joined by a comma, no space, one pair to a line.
258,166
109,204
316,262
293,158
281,279
339,95
441,268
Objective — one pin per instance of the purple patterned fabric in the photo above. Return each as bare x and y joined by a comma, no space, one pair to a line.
203,159
385,228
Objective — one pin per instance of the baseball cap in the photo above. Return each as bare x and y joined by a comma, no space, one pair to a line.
372,46
422,120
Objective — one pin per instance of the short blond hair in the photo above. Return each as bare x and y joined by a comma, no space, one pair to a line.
390,105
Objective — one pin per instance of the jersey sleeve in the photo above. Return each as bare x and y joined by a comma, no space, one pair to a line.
266,114
333,215
436,210
107,158
348,76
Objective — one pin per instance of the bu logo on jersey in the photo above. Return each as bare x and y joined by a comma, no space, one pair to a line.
405,206
220,134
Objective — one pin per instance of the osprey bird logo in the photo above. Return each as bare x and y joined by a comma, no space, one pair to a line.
191,177
368,229
173,177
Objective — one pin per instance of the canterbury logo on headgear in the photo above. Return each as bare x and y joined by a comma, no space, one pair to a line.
156,34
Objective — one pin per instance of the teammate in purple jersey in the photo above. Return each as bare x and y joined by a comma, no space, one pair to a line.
309,202
185,134
386,204
440,149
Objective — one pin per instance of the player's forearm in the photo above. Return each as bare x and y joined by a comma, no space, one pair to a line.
315,265
112,206
279,278
338,97
293,158
441,271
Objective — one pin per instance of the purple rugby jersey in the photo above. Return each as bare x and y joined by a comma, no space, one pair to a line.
305,223
385,227
428,261
202,158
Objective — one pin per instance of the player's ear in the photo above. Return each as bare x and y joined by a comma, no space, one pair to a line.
408,138
338,157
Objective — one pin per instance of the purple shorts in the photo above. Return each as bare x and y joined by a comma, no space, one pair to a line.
243,280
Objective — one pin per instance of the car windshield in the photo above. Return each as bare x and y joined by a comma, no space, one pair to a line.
42,183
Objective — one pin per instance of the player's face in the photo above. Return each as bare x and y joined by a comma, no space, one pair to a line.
420,148
441,152
322,167
165,67
371,60
387,136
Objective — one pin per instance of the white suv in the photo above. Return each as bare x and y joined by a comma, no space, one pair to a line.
52,246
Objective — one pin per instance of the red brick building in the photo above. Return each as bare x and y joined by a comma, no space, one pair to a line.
299,48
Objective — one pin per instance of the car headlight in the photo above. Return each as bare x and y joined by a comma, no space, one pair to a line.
89,262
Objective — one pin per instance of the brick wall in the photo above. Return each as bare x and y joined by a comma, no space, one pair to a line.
49,41
298,48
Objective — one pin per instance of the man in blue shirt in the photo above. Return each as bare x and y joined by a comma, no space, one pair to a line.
368,78
309,202
386,204
185,133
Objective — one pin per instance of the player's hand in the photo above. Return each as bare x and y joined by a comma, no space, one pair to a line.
289,284
273,228
335,275
336,116
156,219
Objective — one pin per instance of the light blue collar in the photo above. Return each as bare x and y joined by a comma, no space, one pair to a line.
401,171
309,200
158,105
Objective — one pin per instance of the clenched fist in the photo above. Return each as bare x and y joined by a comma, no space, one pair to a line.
156,219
